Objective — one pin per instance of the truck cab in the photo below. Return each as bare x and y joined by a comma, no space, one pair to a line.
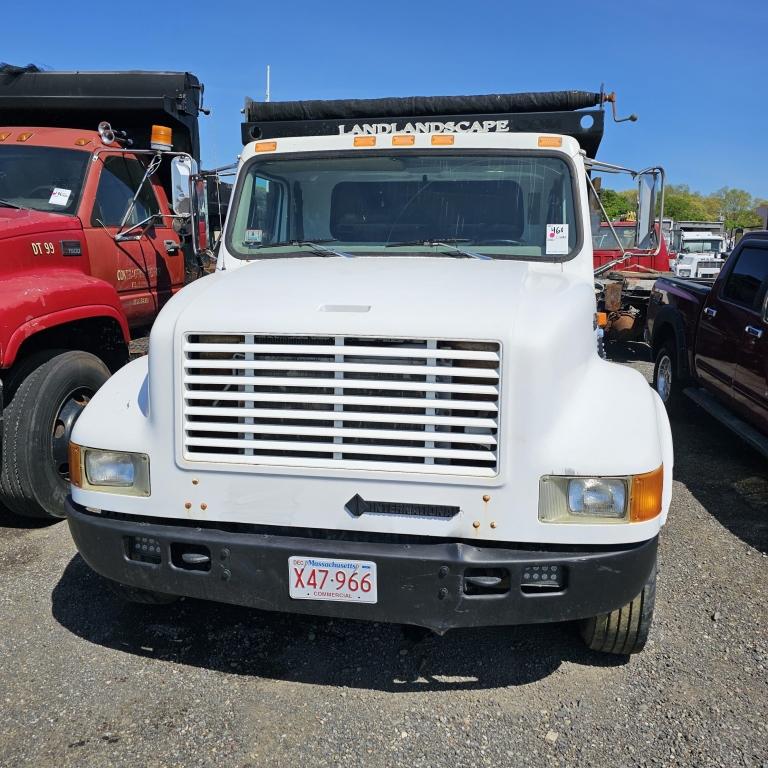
700,255
710,341
383,404
92,250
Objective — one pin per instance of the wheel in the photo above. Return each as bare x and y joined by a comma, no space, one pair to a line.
47,395
666,377
624,630
138,595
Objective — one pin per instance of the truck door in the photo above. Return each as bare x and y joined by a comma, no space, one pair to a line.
163,254
750,377
122,263
715,356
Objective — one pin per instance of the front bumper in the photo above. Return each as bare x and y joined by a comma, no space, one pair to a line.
425,584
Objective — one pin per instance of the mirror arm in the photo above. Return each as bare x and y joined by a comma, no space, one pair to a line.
140,226
154,164
600,270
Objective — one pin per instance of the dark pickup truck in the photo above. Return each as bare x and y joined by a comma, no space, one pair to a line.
710,340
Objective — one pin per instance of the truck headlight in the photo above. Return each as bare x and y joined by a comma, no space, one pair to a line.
109,471
627,499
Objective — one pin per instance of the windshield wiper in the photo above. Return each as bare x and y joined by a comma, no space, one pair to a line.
315,245
446,243
9,204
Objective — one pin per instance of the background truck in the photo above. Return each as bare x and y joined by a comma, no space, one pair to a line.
91,250
383,404
710,341
699,248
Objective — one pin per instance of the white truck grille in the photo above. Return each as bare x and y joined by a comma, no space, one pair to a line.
429,406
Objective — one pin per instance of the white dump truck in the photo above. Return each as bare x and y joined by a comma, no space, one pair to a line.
699,254
387,402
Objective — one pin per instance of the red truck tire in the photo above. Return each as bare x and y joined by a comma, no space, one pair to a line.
44,397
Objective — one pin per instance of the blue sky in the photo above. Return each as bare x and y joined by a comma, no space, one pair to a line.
696,72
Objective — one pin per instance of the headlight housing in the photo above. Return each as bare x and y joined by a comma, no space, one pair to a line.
601,500
119,472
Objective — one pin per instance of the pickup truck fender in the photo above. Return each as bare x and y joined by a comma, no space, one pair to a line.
669,319
33,302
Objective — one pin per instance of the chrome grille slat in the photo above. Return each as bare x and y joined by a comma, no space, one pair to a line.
335,402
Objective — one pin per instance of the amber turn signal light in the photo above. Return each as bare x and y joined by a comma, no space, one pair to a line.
645,495
75,465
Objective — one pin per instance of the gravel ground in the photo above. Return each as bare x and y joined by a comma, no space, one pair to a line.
86,680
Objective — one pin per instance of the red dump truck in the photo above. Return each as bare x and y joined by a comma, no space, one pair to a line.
92,237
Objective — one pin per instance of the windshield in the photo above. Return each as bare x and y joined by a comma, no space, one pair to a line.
604,240
702,246
42,178
408,203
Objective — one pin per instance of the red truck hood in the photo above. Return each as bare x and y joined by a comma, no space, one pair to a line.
15,222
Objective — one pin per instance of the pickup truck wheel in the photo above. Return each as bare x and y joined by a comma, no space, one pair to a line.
50,393
138,595
666,378
624,630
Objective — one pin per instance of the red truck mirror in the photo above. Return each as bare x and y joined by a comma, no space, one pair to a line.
199,202
183,168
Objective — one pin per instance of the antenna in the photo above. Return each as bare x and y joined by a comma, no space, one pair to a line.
267,97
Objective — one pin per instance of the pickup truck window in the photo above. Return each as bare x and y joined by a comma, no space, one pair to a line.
29,175
391,204
120,178
747,282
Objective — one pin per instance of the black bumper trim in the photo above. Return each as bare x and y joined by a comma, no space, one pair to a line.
421,584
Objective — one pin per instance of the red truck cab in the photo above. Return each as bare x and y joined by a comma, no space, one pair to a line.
91,251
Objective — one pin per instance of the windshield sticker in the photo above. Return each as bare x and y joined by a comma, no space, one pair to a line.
253,235
59,196
557,239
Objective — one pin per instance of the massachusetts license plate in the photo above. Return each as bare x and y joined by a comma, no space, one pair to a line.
319,578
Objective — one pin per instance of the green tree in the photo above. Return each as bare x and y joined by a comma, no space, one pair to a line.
737,207
616,204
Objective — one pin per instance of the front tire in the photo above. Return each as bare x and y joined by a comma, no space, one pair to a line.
50,393
624,630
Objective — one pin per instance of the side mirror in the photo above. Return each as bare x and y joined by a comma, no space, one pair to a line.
650,197
183,168
199,201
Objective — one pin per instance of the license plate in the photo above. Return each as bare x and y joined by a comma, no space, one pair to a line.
320,578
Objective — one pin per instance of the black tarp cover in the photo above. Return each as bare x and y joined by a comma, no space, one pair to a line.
423,106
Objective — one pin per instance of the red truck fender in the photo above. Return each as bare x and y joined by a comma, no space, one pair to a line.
34,302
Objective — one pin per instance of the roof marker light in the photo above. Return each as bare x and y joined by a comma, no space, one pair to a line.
443,139
266,146
24,136
4,136
364,141
403,140
550,141
81,142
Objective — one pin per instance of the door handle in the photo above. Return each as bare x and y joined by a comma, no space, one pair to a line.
171,246
752,331
710,312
